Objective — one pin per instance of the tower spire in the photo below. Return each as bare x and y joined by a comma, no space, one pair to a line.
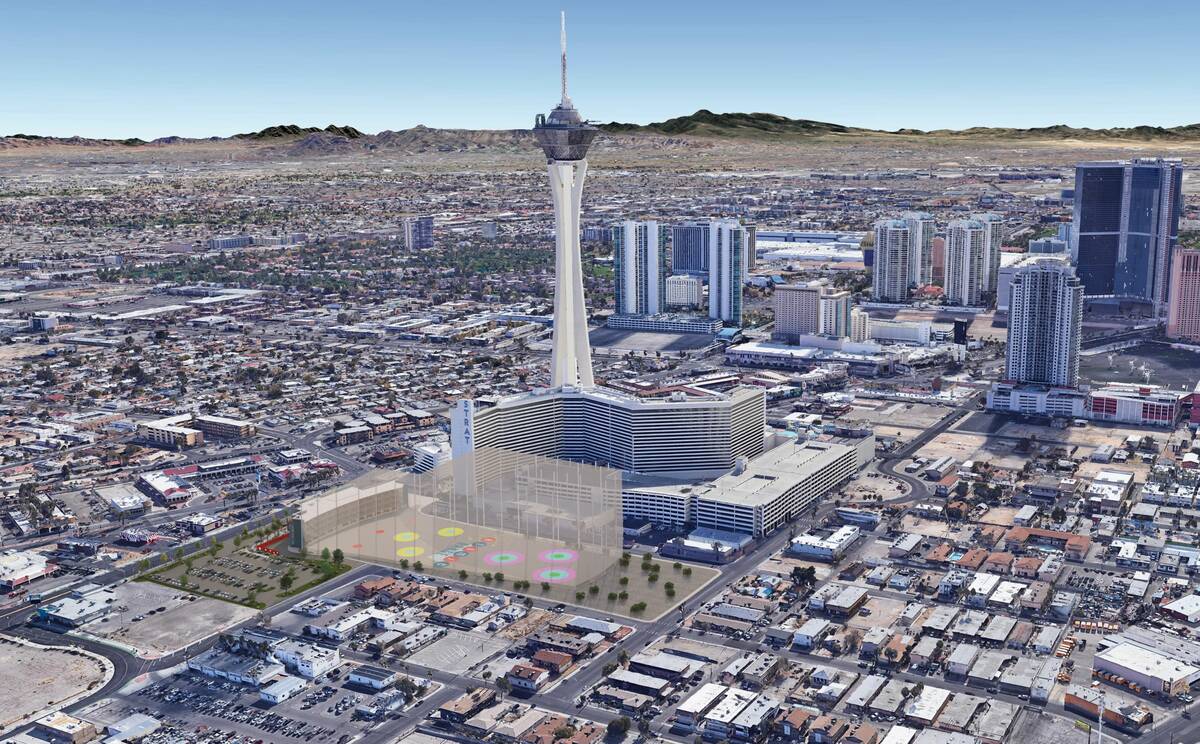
562,37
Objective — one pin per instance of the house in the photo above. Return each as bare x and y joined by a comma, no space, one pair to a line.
827,729
467,705
527,677
792,723
555,662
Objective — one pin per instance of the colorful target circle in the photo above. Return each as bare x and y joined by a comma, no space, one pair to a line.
555,575
487,540
407,536
558,555
503,558
410,552
441,564
450,531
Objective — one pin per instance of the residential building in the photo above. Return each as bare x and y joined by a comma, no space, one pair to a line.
860,326
684,292
966,253
727,242
1045,325
418,233
893,248
639,266
993,240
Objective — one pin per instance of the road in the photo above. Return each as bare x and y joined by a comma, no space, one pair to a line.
919,489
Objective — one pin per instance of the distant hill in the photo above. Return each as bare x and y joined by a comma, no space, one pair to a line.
700,129
705,123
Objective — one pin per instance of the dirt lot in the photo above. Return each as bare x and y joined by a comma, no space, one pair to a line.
182,621
35,678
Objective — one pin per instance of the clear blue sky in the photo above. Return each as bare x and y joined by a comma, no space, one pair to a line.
109,68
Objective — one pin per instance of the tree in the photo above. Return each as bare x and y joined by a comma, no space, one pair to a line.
462,575
286,581
338,557
619,726
326,554
418,566
503,685
545,586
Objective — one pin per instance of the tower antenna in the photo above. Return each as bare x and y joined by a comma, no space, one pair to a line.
562,37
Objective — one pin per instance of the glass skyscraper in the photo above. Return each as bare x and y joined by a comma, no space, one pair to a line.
1126,227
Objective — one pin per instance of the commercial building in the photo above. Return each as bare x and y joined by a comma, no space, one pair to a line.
124,500
1045,325
640,267
18,568
966,254
761,495
681,431
282,689
189,430
827,548
1126,227
1183,308
684,292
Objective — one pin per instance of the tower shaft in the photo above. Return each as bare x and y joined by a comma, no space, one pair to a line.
571,357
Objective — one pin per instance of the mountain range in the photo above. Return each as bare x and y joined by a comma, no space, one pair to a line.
291,139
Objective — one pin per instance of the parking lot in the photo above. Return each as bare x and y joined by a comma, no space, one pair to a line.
190,701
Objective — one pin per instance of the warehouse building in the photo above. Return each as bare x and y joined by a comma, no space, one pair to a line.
1146,668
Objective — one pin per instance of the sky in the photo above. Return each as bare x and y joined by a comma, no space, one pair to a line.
128,68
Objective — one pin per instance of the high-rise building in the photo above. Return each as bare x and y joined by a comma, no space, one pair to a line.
811,309
966,248
835,313
1048,245
689,248
921,231
726,244
893,245
639,265
860,325
993,241
797,310
418,233
684,292
565,137
1045,324
749,253
1183,310
937,274
1126,227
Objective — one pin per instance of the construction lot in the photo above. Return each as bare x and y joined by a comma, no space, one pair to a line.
38,677
155,620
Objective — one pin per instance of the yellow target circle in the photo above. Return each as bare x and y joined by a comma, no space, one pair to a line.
410,552
407,537
450,531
